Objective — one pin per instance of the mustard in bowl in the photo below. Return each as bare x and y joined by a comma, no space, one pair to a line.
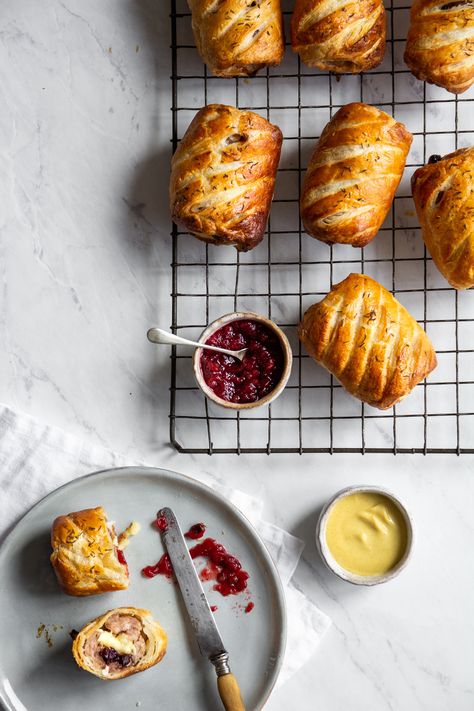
365,535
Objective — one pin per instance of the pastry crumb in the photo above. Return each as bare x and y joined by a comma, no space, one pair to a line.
44,631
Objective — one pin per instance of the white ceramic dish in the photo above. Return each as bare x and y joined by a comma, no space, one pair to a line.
333,565
34,677
287,354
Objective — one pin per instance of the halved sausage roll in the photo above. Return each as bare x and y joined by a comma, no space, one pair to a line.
86,556
443,191
339,35
124,641
223,176
440,43
236,38
368,341
353,174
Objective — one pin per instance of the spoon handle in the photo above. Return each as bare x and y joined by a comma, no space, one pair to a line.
157,335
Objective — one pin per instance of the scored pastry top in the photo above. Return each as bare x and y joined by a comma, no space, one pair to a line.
223,176
368,341
443,192
353,174
238,37
440,43
339,35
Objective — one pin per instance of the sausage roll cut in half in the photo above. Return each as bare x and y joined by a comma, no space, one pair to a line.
236,38
223,176
440,43
339,35
122,642
86,557
353,174
368,341
443,191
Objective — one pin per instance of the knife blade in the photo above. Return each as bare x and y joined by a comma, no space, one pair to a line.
202,620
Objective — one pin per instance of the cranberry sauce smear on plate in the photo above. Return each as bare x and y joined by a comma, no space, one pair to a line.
196,531
256,375
225,569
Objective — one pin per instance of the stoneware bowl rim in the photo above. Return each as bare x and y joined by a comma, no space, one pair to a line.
332,564
287,354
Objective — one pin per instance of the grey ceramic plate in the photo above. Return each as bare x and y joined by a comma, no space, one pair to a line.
35,677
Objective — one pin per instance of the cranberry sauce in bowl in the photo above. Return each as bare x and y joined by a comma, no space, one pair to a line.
259,377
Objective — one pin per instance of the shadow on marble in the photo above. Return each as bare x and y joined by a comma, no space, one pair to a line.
145,193
145,202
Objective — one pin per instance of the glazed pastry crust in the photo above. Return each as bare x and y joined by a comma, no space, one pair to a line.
223,176
444,199
440,43
368,341
236,38
156,642
353,174
339,35
84,554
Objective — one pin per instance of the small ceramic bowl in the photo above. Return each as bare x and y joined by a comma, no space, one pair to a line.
287,356
333,565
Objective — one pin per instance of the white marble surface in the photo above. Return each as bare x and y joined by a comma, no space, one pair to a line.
84,264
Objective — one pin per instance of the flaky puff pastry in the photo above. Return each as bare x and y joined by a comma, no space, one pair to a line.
353,174
85,554
339,35
443,191
124,641
223,176
236,38
440,43
368,341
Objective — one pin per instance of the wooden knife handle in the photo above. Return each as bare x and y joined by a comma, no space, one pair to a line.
230,693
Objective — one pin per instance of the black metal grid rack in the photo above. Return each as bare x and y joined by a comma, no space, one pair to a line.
289,270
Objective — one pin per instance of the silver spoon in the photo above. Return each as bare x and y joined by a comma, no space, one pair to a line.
157,335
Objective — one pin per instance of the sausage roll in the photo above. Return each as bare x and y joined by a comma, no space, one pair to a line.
86,557
223,176
122,642
353,175
443,192
236,38
368,341
440,43
339,35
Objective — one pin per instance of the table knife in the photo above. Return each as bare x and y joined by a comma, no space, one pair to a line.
202,620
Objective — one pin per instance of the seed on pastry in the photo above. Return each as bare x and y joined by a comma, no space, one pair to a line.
86,555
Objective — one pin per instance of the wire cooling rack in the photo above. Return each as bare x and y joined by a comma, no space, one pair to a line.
289,270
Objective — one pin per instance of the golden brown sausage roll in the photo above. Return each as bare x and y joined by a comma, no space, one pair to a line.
339,35
236,38
86,557
443,192
223,176
440,43
353,175
122,642
368,341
